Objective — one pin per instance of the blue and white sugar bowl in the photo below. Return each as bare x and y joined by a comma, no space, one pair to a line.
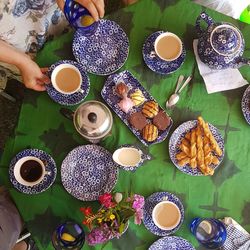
220,45
80,18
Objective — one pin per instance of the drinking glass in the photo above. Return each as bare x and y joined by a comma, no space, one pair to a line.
209,232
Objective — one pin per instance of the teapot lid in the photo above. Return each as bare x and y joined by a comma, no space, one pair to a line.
93,119
226,39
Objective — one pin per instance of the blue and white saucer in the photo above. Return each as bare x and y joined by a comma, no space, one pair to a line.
245,105
71,99
105,51
48,180
171,243
175,141
89,171
156,64
150,203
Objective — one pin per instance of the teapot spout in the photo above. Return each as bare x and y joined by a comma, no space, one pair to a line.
241,62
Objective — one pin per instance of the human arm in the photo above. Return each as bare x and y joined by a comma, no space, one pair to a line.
32,75
95,7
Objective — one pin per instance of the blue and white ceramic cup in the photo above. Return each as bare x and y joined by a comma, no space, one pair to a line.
74,13
66,79
167,46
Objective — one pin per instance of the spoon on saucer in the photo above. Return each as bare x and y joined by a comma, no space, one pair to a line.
174,98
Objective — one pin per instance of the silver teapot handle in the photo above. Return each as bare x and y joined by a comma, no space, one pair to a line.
202,17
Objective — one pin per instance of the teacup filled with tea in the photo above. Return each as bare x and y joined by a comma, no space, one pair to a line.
66,79
29,171
166,215
167,47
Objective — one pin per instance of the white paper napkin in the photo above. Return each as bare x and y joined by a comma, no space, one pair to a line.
218,80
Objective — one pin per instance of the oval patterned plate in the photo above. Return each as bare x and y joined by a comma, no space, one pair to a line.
175,141
171,243
71,99
89,171
156,64
150,203
245,105
105,51
48,180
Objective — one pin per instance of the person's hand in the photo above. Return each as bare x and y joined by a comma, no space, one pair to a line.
33,76
95,7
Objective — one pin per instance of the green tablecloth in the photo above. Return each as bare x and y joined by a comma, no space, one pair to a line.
41,126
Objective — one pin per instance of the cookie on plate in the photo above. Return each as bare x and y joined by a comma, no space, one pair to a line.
150,109
161,120
138,120
137,97
150,132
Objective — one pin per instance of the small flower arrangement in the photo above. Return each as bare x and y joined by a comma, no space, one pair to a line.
111,220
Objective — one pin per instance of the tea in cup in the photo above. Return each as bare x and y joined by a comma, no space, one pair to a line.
167,47
166,215
29,171
66,79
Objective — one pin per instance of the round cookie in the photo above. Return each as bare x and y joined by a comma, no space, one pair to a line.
161,120
150,132
150,109
121,89
137,97
138,120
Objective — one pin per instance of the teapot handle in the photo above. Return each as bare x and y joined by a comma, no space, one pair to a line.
202,17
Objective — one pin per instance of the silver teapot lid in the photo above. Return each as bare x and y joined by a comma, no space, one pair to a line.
226,39
93,120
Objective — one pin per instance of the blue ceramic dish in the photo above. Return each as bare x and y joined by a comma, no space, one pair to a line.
156,64
48,180
175,141
89,171
245,104
71,99
150,203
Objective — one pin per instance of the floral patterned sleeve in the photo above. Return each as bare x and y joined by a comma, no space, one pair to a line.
26,25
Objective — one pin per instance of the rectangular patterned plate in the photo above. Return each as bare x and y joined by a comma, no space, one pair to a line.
112,99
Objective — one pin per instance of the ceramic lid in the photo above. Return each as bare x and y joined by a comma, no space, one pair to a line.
93,120
226,39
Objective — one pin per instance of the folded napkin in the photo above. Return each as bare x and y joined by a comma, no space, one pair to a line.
218,80
237,237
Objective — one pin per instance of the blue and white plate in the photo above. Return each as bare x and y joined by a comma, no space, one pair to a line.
105,51
171,243
71,99
112,99
245,105
89,171
156,64
150,203
48,180
175,141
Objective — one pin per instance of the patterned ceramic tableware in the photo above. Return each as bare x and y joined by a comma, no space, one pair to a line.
155,63
74,12
171,243
245,105
105,51
220,45
112,99
179,134
74,98
88,171
50,166
130,153
151,202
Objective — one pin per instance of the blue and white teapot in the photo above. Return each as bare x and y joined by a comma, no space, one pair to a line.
221,45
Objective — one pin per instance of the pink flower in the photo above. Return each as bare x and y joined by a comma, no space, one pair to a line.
106,200
138,217
138,202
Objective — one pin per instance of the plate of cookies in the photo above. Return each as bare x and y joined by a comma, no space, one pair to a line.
136,108
196,148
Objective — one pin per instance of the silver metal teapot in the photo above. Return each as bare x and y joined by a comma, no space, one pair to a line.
220,45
